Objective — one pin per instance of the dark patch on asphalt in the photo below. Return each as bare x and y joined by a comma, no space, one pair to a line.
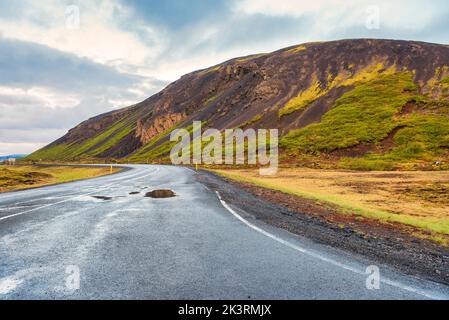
393,247
134,193
160,194
102,198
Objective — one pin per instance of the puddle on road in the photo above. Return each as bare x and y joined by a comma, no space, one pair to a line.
156,194
102,198
160,194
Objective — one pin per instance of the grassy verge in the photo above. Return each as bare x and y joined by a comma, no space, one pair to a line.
394,198
24,177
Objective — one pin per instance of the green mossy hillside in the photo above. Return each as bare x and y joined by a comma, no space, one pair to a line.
90,148
363,115
367,115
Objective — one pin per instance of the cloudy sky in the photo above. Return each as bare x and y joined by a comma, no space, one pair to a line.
62,62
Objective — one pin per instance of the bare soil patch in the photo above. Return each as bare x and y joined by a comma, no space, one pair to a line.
160,194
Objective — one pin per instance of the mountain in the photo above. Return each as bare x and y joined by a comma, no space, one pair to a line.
367,104
12,156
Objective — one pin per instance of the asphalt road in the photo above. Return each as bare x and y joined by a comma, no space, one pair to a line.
193,246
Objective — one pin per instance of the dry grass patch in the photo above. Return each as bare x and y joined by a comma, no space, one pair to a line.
23,177
417,199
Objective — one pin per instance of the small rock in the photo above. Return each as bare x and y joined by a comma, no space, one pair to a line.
158,194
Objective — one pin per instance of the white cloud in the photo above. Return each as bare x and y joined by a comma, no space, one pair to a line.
288,7
100,36
338,14
13,141
41,96
19,148
18,135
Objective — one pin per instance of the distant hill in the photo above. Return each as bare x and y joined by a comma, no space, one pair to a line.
13,156
360,104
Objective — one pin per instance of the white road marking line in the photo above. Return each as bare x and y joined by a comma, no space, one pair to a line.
131,175
70,199
330,261
21,204
8,238
9,284
18,207
128,176
190,169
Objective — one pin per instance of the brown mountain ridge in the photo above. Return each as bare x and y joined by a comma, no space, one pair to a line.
355,103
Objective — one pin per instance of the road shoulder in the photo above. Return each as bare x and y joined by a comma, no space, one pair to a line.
395,248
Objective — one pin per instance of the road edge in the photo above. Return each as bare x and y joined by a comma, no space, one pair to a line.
412,259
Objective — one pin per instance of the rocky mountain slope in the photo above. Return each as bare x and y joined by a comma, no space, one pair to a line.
367,104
